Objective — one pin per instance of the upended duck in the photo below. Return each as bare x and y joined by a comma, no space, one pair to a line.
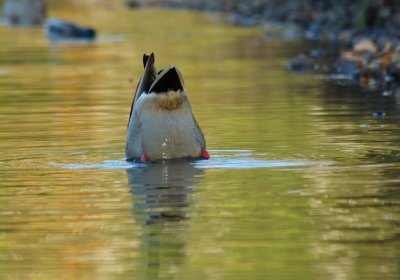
161,123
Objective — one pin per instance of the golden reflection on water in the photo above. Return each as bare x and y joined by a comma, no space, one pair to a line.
66,105
162,202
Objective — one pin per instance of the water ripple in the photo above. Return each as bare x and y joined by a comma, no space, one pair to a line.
221,159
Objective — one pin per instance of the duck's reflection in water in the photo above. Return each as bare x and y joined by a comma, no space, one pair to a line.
162,198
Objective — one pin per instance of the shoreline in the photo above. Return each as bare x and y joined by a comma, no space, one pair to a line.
366,32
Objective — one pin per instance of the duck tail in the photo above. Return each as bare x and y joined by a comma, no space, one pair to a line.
148,77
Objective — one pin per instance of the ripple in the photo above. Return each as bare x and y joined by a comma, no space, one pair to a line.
103,39
106,164
220,159
244,163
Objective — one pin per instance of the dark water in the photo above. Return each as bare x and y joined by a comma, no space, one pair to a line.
303,182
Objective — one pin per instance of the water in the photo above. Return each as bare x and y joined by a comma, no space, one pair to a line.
303,182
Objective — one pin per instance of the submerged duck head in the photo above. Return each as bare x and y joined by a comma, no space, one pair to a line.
161,123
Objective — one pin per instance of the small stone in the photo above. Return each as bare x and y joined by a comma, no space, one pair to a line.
344,36
318,53
132,3
365,45
302,63
393,70
379,114
346,66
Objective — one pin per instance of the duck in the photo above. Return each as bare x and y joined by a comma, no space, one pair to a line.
161,124
58,30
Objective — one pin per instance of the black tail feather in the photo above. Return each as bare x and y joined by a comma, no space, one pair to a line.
146,81
169,79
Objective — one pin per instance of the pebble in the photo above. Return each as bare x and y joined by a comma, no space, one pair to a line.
302,63
379,114
365,45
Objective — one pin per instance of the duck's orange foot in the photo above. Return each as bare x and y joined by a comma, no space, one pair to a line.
144,158
205,154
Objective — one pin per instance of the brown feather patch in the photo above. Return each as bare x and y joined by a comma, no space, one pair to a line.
171,100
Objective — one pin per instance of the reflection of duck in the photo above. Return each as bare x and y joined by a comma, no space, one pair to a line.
161,123
163,188
161,193
60,30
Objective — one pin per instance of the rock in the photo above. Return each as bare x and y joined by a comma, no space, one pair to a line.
292,32
386,59
318,53
371,15
344,36
365,45
372,77
393,70
132,3
24,12
347,67
379,114
302,63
